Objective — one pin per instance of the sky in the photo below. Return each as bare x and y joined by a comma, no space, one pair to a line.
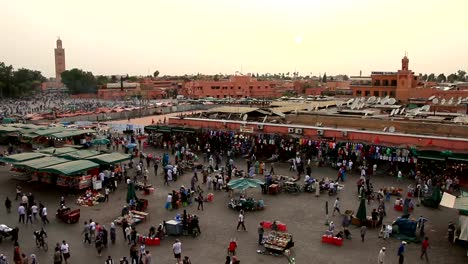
224,36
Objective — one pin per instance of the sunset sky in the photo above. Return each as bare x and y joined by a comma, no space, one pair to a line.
221,36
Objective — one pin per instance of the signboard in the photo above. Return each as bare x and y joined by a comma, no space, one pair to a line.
246,129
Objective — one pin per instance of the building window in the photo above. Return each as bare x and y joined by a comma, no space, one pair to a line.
377,83
385,83
358,93
384,93
366,93
392,94
239,87
250,87
393,83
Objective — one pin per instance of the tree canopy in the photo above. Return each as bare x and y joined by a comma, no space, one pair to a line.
15,83
79,81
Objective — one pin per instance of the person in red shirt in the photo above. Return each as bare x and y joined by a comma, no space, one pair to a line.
232,247
424,247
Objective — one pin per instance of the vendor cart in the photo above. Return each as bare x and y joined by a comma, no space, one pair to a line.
248,204
173,228
277,242
5,232
67,215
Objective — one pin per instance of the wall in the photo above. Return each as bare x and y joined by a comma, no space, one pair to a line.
414,127
381,138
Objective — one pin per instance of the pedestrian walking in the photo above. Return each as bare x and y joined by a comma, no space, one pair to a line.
65,249
99,243
106,194
21,213
261,231
186,260
177,250
401,253
34,210
18,192
109,260
24,259
134,254
363,232
451,232
112,232
156,168
29,217
58,256
240,221
200,201
8,205
86,231
44,218
424,247
336,206
381,258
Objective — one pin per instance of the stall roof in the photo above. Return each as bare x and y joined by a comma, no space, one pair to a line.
57,151
80,154
232,109
41,162
110,158
15,158
9,129
70,168
49,131
73,133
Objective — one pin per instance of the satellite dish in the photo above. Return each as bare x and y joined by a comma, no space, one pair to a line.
391,129
431,98
459,101
244,117
363,99
391,101
371,99
393,112
450,101
350,101
383,101
352,107
443,101
435,101
426,108
378,100
385,129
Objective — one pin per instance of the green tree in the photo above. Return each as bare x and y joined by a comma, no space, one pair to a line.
461,75
324,79
156,74
441,78
431,78
424,77
216,78
345,78
452,78
20,82
78,81
102,79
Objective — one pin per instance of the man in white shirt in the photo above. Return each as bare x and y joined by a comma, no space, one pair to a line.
44,216
240,221
177,249
92,229
65,249
336,206
34,210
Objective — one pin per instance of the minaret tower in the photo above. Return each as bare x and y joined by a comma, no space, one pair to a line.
59,60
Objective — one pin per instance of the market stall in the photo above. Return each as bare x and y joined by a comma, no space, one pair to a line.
90,198
75,174
277,242
17,158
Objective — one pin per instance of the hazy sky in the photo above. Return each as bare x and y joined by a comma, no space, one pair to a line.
213,36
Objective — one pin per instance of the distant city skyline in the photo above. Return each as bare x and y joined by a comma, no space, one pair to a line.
260,36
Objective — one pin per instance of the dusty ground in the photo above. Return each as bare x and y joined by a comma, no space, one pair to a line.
303,213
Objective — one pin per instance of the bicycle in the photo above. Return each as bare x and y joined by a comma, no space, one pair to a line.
42,244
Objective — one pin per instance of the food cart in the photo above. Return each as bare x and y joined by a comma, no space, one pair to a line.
277,242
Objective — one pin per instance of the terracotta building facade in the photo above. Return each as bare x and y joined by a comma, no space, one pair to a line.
235,87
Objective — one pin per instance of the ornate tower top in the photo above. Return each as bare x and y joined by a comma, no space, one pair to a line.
405,63
59,43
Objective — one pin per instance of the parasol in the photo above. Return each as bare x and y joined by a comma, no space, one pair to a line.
100,141
131,145
245,183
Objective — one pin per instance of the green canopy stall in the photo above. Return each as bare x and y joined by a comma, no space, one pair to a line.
16,158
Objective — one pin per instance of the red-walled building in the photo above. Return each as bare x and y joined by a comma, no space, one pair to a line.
235,87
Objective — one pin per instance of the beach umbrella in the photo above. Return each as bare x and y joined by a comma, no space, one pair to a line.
131,145
361,213
245,183
100,141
